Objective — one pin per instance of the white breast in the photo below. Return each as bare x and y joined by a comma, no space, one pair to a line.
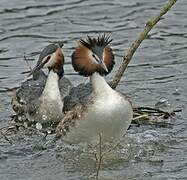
109,115
50,102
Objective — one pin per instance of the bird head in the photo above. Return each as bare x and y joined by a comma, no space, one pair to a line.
52,58
93,55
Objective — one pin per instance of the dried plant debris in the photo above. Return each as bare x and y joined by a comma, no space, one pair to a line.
142,116
153,116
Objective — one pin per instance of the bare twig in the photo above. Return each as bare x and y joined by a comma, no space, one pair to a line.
6,138
99,159
27,62
152,110
134,46
140,117
148,110
101,154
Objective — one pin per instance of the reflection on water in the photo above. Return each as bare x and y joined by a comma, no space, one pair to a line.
158,70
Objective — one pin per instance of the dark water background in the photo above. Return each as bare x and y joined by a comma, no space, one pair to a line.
158,70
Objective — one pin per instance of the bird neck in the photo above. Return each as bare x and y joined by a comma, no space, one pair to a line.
99,84
51,89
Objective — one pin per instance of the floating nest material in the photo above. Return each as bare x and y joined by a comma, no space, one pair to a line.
142,116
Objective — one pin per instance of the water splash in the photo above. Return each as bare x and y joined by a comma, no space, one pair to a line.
38,126
164,104
177,91
44,117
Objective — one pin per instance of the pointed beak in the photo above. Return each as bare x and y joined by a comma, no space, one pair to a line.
36,68
100,61
104,66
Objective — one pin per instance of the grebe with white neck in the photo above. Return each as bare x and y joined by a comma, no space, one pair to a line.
41,99
105,111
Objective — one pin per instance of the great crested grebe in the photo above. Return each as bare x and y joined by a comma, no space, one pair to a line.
41,98
105,110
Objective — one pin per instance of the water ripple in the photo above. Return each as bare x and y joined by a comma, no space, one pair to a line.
27,35
157,69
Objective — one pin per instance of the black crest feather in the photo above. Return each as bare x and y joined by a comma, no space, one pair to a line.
102,41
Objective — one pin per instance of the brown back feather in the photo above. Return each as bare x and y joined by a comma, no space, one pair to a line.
71,119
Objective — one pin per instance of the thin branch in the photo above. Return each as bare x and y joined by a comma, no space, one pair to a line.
99,159
6,138
134,46
140,117
27,62
154,111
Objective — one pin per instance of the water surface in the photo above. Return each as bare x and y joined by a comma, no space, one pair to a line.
157,70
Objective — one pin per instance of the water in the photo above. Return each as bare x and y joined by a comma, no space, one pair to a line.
158,70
